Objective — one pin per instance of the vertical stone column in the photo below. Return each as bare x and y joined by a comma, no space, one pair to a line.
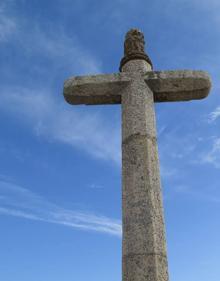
144,247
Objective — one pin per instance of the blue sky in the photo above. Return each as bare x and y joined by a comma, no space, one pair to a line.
60,171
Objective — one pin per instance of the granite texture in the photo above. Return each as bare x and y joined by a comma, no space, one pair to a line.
178,85
166,85
95,89
144,267
136,66
137,87
144,247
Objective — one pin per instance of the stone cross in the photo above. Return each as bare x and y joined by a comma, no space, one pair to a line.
137,87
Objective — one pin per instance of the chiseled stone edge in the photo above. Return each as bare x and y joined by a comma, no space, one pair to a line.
179,85
95,89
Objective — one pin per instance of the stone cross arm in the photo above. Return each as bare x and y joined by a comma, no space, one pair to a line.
166,86
136,88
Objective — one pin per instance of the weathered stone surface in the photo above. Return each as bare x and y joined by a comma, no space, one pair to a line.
182,85
134,42
137,65
95,89
143,223
134,48
166,85
138,111
144,267
137,87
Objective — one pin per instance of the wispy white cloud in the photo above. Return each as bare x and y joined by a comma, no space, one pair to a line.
198,194
8,24
95,186
55,121
211,3
40,41
210,7
48,117
166,172
20,202
212,156
60,48
215,114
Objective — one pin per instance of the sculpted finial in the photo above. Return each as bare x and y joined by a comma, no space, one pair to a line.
134,47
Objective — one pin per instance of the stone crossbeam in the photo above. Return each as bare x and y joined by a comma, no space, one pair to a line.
137,88
167,86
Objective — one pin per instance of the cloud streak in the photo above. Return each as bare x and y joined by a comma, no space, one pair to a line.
213,156
58,47
8,24
48,116
54,120
215,114
20,202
